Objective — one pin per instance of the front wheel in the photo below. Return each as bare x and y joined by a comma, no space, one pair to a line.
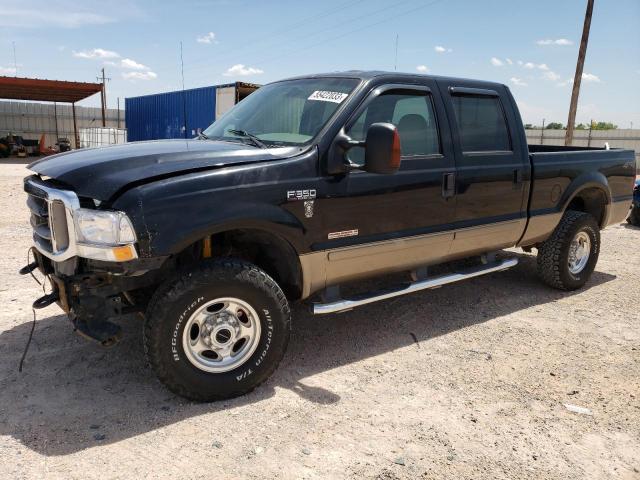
568,257
218,331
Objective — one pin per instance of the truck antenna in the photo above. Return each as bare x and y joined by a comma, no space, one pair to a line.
184,100
395,63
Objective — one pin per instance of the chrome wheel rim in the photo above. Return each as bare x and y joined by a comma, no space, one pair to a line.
579,251
221,335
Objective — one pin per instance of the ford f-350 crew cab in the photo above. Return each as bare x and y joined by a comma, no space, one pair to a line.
305,185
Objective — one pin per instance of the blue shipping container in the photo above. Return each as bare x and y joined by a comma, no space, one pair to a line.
162,115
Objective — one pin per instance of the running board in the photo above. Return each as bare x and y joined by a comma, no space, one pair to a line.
357,301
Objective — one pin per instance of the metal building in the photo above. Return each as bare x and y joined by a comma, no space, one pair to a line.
32,119
181,114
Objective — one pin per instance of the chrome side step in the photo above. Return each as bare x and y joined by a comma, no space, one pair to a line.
364,299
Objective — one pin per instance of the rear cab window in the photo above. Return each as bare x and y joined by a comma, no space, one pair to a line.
481,123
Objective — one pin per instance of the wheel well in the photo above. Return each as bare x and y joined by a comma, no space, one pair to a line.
268,251
592,201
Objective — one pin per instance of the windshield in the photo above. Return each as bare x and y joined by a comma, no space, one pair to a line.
288,113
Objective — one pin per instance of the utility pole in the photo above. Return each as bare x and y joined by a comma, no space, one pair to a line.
15,62
103,96
573,106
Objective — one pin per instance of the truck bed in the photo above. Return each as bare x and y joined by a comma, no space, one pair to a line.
559,171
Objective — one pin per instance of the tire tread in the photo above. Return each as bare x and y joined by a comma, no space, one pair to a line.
225,269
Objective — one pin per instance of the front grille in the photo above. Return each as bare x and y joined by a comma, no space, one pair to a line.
40,221
49,219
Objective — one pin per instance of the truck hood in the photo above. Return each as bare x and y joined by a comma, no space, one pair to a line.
101,172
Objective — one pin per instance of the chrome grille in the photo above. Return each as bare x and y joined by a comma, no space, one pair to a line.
51,218
40,221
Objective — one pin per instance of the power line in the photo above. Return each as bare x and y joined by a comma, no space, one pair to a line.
269,46
351,32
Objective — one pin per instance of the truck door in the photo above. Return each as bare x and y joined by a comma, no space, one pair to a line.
492,169
394,222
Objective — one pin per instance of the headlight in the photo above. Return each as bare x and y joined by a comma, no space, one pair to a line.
103,228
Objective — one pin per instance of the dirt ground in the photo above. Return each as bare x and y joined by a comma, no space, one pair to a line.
468,381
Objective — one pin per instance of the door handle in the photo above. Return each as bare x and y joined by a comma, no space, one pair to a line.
517,178
448,185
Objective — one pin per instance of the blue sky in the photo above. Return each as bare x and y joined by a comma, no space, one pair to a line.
530,45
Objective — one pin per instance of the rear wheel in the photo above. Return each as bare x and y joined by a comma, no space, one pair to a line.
567,259
218,331
634,216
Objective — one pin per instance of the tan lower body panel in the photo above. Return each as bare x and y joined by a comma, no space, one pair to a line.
330,267
540,227
618,212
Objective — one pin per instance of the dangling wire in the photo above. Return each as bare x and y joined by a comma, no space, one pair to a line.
33,324
26,347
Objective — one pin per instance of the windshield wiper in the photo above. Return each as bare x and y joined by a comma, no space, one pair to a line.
254,139
202,136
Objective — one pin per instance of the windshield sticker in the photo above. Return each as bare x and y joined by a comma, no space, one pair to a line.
325,96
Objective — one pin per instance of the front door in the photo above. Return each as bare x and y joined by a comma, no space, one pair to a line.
395,222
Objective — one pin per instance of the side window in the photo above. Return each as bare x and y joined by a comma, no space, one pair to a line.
411,113
481,123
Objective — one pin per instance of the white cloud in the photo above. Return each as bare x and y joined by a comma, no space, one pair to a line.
96,53
590,78
518,81
550,75
7,70
532,66
139,75
559,41
519,62
509,61
586,78
441,49
50,16
132,64
207,38
422,69
242,71
496,62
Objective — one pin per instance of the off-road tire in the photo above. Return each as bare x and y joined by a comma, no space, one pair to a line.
171,305
553,253
634,216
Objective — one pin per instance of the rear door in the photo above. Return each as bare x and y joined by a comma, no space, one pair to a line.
492,171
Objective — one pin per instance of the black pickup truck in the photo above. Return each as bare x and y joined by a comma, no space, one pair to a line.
308,184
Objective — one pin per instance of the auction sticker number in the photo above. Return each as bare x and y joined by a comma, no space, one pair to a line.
326,96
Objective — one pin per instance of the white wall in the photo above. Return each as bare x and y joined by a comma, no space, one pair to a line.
32,119
619,138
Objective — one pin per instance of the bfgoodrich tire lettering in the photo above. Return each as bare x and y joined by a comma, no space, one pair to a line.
175,302
553,254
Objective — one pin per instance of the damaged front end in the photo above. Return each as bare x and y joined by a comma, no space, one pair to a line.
89,257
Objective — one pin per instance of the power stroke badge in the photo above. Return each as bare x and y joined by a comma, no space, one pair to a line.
307,195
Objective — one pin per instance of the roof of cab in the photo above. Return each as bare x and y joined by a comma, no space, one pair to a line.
372,74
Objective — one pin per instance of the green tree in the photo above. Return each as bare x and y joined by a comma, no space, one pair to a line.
554,126
581,126
528,126
603,126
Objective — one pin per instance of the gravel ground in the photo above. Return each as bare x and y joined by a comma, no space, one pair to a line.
467,381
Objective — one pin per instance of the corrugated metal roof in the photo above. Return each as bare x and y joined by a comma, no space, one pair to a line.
17,88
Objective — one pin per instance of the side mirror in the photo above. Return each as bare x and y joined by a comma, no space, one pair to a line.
382,149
